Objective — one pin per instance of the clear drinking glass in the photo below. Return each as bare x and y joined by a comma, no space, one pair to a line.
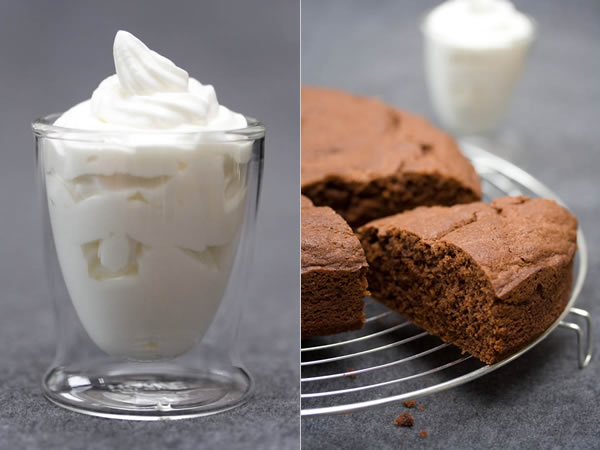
148,241
470,86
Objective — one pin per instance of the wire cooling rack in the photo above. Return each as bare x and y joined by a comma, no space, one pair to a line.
403,361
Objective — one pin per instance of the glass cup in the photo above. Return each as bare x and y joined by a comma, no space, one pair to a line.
148,241
470,86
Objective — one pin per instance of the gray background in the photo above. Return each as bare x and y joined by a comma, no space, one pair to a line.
52,55
541,400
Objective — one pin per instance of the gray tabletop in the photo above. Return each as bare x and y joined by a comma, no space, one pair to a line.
53,54
541,400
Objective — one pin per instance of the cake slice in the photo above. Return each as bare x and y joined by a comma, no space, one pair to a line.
334,273
368,160
487,278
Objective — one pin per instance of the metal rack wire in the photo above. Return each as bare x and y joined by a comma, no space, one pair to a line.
406,362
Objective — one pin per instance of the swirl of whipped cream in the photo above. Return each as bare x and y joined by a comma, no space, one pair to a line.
149,91
142,71
479,23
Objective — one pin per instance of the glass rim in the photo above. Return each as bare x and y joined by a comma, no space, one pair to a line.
44,127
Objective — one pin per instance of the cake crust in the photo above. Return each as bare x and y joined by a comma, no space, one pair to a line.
367,160
488,278
334,273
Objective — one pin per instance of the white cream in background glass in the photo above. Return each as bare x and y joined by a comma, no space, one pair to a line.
150,185
474,55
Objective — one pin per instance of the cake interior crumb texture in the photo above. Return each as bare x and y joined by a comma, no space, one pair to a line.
334,273
487,278
367,160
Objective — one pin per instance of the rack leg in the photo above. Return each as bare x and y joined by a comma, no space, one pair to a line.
585,335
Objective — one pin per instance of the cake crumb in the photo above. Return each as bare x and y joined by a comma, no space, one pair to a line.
454,398
350,375
347,414
423,434
410,403
421,408
404,420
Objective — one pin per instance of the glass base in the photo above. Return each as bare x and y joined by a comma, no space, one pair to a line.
148,395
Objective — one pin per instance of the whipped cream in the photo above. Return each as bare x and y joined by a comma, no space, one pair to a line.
146,222
474,53
479,23
149,92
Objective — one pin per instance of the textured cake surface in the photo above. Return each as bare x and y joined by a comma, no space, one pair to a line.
334,271
368,160
488,278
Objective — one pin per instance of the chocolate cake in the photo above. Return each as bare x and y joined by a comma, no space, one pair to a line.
487,278
367,160
334,273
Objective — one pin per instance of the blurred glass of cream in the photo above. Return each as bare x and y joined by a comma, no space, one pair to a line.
474,53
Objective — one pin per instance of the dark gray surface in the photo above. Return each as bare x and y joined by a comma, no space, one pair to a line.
540,400
54,54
